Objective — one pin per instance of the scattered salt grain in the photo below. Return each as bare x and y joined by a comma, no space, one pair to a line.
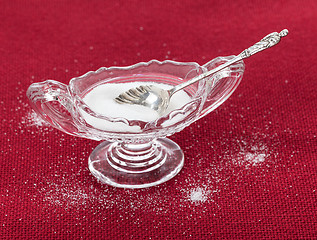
33,119
254,156
66,196
198,194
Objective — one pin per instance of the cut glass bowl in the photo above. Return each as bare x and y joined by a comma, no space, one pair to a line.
134,153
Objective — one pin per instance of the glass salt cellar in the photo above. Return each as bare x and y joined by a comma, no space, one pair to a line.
134,153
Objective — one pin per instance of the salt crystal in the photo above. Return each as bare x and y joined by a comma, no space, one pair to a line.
252,156
198,195
33,119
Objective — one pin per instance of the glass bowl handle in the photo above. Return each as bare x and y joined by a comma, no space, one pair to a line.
52,101
221,84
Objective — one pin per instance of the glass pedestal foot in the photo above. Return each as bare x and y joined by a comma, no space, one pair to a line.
128,165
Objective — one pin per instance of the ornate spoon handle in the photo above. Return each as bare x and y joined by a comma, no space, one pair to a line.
265,43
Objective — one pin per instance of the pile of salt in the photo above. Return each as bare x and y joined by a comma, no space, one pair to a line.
101,100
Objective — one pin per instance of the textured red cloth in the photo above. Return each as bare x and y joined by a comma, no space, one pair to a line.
251,165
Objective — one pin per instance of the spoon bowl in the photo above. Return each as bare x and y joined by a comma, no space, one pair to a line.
149,96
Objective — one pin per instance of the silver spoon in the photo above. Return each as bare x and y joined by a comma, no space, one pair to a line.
158,99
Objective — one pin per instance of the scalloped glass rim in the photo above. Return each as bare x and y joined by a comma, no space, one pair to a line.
120,119
148,129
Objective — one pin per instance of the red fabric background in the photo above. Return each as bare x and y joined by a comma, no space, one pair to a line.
251,165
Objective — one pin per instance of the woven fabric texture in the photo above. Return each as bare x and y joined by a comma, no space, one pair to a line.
250,166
